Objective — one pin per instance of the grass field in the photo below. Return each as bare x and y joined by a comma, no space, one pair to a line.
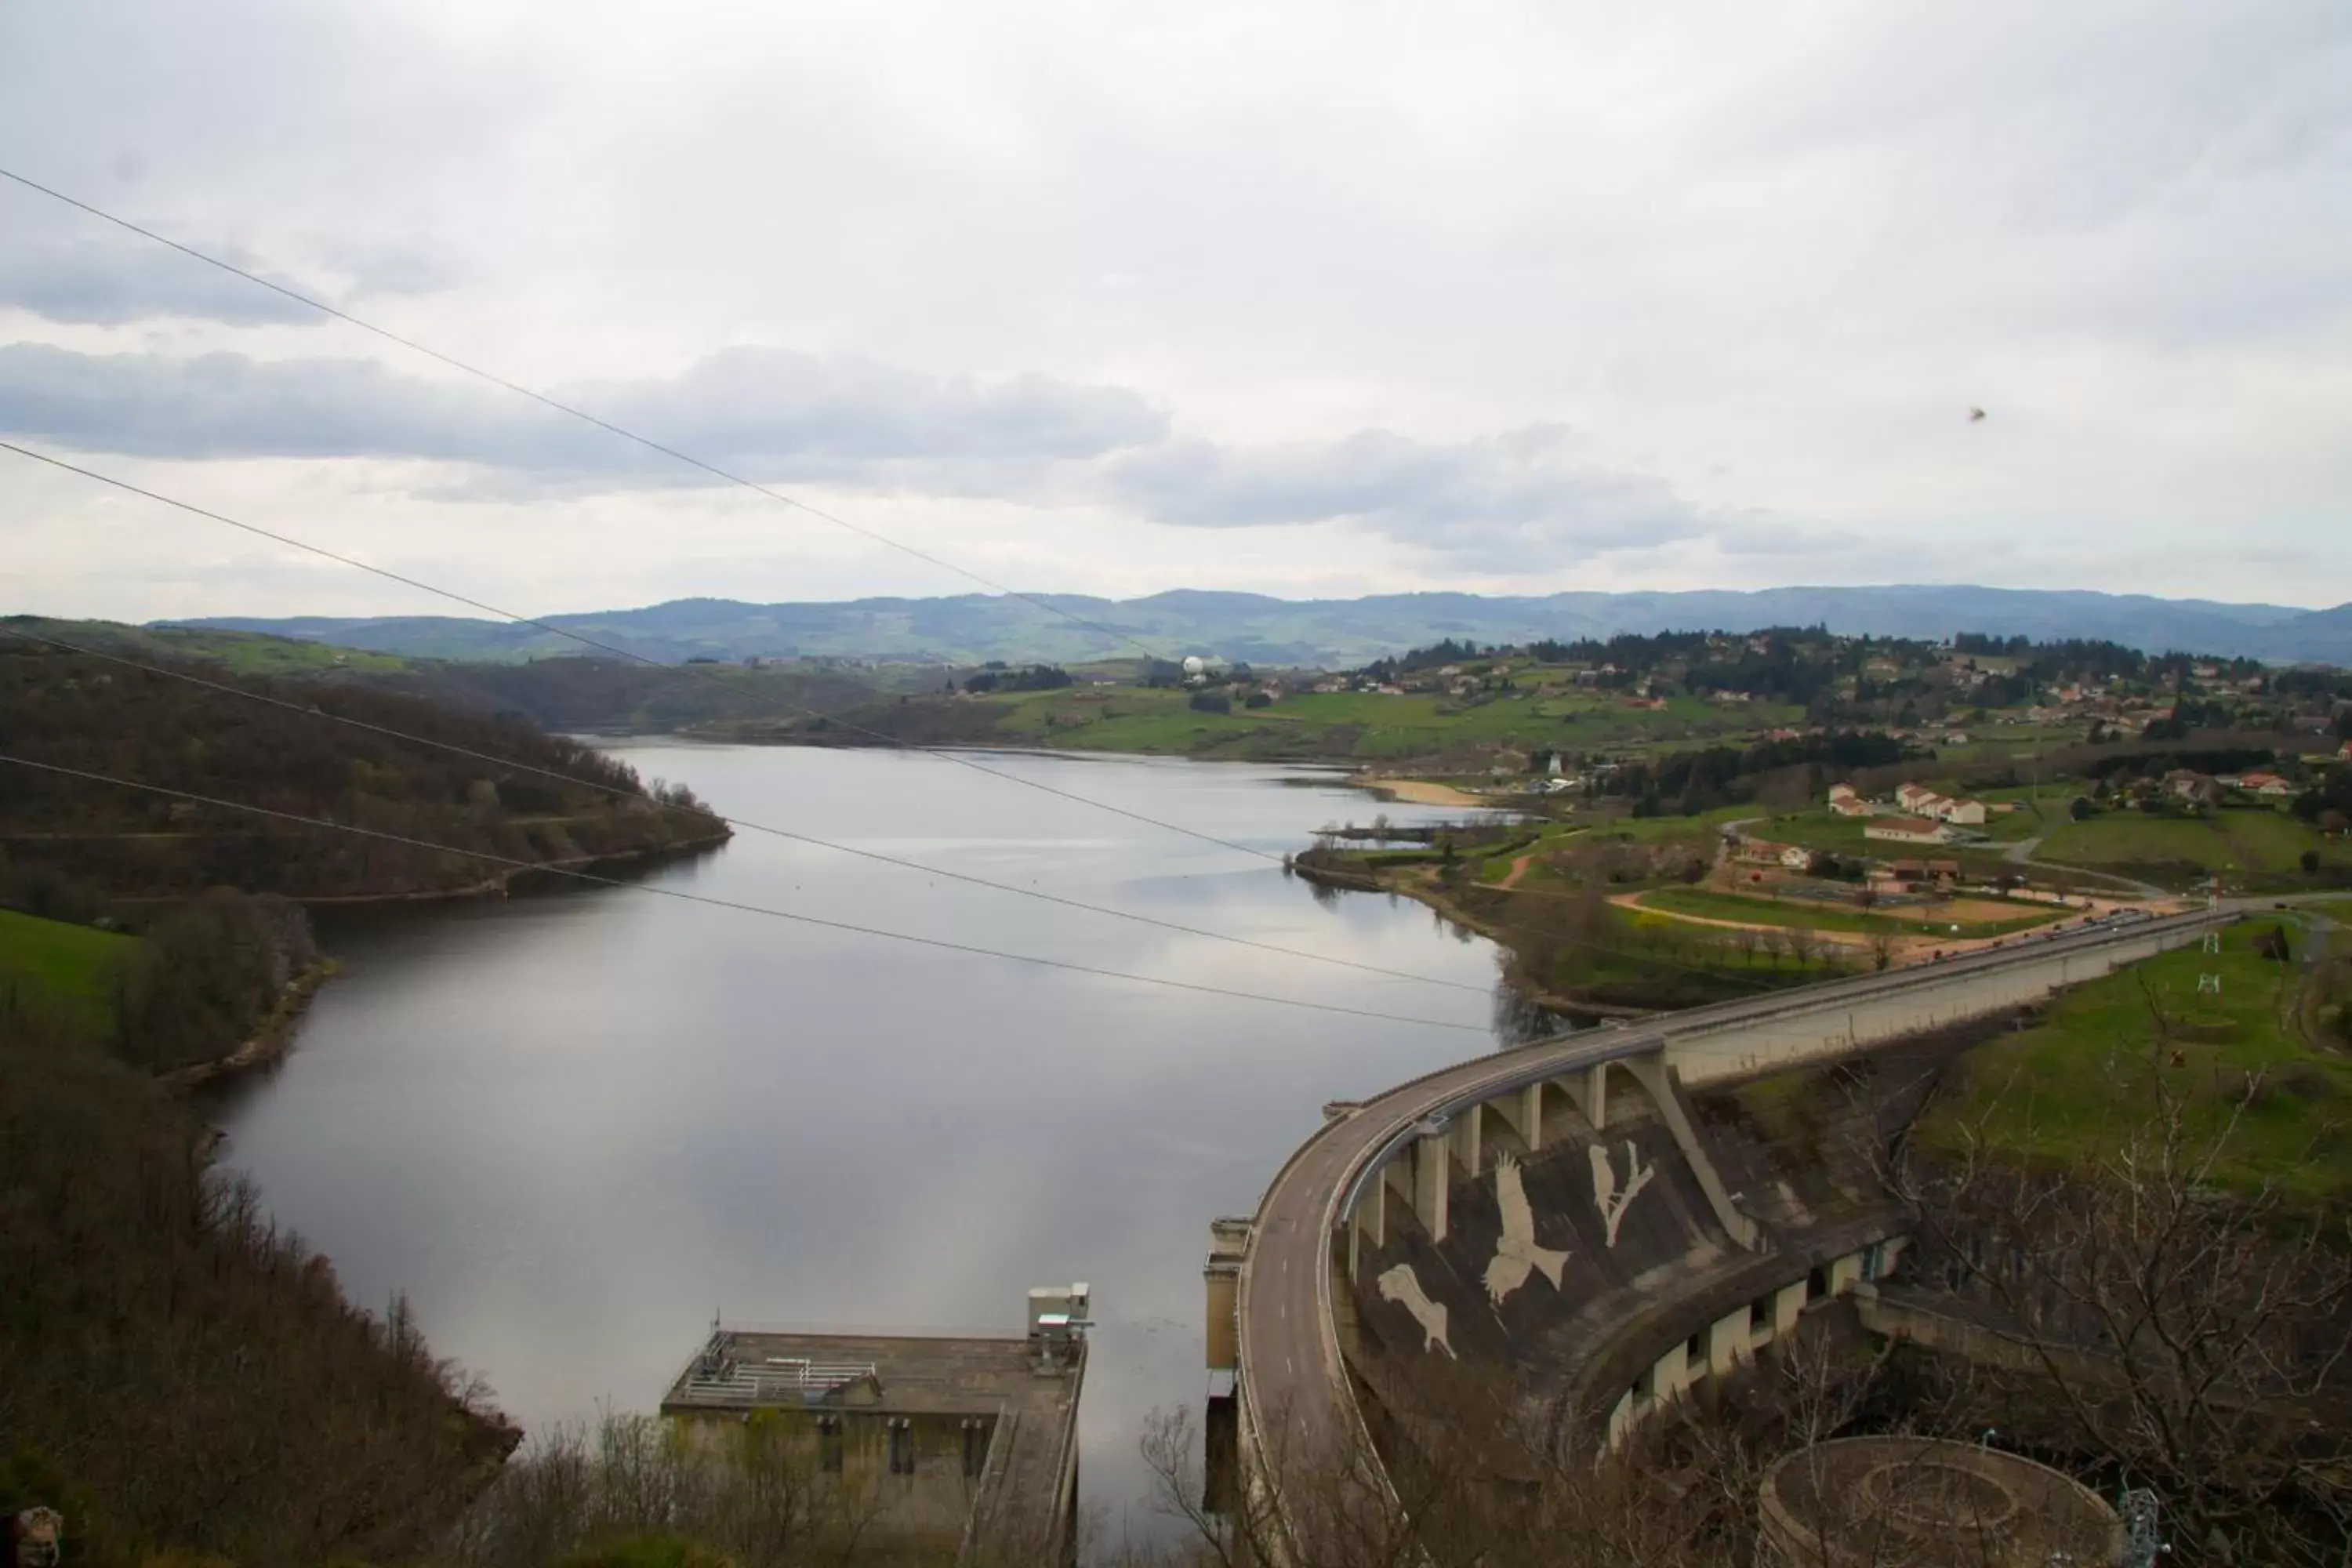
2068,1088
1825,830
1358,724
244,653
1815,916
1646,828
2248,840
50,965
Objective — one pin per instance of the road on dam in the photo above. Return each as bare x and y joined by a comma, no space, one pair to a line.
1295,1407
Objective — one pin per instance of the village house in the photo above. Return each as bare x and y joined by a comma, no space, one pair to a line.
2268,785
1911,796
1916,876
1921,801
2197,789
1846,802
1909,830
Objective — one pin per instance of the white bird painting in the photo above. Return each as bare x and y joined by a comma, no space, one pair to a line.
1607,1196
1401,1284
1517,1253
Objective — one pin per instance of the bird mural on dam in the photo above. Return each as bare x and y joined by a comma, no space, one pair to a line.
1611,1200
1517,1254
1401,1285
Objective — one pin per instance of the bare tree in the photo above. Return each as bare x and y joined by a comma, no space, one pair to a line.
2193,1335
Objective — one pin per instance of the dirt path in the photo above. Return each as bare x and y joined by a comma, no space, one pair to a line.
1518,869
1908,948
1633,902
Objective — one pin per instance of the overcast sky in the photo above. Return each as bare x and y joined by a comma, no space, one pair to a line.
1306,298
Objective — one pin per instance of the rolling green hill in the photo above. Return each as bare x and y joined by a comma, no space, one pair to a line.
544,799
971,628
56,968
563,692
1351,725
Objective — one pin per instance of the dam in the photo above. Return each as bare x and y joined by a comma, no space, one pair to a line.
1592,1214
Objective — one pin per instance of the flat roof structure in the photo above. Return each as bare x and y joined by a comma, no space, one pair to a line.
980,1431
889,1374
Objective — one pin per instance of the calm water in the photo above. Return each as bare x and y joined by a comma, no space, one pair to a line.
572,1126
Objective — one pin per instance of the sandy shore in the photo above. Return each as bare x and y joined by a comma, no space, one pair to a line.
1423,792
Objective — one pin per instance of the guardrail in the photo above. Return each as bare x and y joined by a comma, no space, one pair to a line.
1797,999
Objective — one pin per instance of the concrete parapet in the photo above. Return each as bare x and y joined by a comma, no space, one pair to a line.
1741,1046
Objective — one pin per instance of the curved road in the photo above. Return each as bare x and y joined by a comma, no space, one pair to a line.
1295,1408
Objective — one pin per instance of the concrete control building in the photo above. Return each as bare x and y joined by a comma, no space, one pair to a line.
942,1438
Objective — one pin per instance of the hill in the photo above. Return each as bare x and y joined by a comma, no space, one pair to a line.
565,691
101,844
1329,633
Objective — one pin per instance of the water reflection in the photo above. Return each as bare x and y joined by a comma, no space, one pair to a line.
573,1125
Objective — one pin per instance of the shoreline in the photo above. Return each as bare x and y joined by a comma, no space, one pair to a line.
270,1043
497,884
1425,792
500,884
1434,900
1351,766
275,1037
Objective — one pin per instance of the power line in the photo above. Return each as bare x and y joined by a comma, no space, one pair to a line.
1656,960
631,654
652,445
969,949
314,712
561,408
613,648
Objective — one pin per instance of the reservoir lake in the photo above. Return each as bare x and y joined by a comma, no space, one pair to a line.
573,1125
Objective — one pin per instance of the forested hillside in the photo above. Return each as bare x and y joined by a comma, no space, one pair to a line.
564,690
180,1375
68,838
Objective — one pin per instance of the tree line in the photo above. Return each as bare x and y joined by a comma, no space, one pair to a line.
84,713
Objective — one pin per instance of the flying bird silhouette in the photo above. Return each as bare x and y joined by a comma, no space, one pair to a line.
1517,1253
1976,415
1607,1196
1402,1285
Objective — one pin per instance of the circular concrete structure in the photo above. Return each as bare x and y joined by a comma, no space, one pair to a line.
1927,1503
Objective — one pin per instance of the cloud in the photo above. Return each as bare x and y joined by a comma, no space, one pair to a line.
1522,498
1761,262
386,269
769,414
750,403
109,284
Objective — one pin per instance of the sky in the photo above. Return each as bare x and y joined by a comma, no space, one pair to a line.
1314,300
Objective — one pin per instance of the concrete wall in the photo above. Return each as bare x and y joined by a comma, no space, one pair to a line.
933,1504
1736,1337
1705,1055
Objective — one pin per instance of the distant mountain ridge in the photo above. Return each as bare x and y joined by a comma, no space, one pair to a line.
1329,633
